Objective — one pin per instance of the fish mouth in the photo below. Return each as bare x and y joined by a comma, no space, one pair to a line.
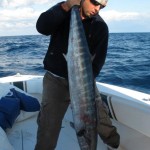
81,133
84,137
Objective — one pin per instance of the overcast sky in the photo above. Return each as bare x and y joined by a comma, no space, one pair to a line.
18,17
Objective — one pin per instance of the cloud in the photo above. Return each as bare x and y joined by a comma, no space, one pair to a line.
25,3
22,14
16,24
126,21
20,3
18,18
18,14
113,15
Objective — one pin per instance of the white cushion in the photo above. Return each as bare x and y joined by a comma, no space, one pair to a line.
4,142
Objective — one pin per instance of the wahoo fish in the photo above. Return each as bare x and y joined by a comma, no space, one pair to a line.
81,84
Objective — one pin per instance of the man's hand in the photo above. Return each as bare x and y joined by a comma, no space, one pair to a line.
69,3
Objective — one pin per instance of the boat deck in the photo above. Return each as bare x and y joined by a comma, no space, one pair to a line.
22,136
129,111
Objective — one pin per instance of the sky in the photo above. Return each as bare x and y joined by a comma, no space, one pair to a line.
18,17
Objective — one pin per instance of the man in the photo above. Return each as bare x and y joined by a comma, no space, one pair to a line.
55,22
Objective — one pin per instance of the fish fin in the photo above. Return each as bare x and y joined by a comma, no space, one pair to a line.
65,56
80,133
72,125
92,57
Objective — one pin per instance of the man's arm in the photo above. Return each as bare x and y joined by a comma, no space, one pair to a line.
100,43
49,21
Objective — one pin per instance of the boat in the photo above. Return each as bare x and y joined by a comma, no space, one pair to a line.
129,111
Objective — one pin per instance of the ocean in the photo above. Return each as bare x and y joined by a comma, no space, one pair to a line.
127,63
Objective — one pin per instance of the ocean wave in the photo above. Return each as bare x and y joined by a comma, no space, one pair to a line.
127,62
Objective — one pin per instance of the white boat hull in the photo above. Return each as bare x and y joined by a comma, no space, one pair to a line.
130,112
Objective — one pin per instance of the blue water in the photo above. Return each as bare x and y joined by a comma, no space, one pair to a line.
127,63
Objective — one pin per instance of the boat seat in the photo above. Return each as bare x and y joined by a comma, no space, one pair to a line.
23,132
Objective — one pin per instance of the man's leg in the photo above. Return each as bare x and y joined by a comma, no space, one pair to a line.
106,130
55,102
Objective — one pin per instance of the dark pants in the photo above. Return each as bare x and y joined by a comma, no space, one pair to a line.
55,102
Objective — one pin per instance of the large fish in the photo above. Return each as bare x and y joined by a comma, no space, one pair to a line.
81,84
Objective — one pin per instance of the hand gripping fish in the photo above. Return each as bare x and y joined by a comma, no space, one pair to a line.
81,84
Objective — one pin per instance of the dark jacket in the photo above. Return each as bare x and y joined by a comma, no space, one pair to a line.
55,22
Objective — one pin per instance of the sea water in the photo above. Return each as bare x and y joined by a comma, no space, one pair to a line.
127,63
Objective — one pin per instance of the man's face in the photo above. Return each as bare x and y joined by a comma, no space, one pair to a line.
89,9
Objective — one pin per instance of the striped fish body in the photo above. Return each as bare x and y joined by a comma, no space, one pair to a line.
81,84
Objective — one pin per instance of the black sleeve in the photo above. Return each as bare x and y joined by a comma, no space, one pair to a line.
100,45
50,20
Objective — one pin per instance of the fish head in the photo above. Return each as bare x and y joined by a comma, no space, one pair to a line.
87,139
